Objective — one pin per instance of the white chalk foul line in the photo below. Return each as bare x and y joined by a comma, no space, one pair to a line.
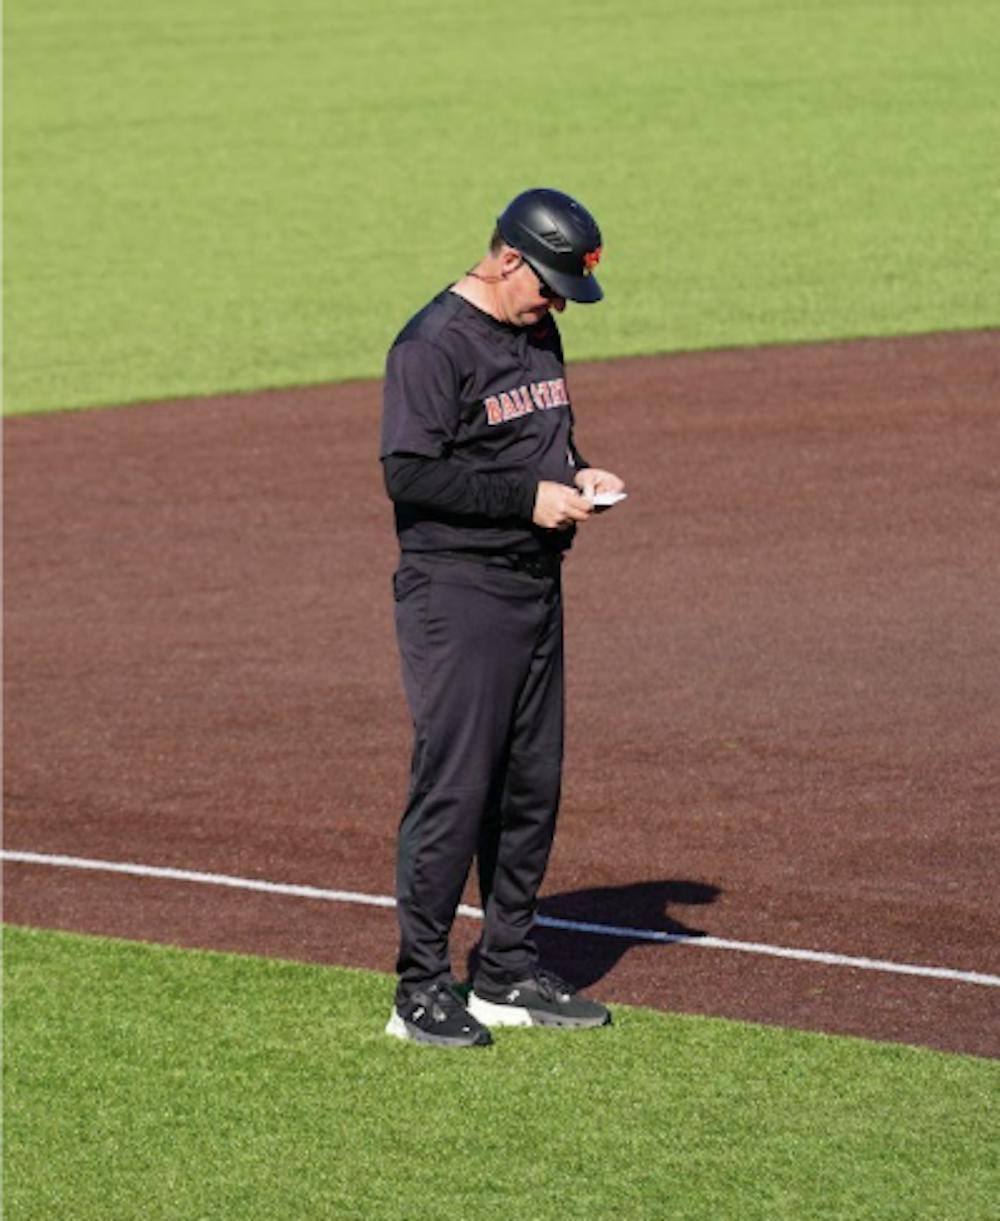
475,913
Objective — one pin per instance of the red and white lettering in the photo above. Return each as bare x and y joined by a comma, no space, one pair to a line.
522,400
540,393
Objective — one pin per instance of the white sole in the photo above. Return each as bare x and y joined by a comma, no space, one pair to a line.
396,1027
491,1014
498,1015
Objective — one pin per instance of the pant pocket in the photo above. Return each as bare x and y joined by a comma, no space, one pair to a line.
406,580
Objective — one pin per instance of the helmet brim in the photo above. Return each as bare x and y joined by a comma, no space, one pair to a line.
584,289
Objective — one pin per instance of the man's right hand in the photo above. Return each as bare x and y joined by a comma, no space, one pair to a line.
557,506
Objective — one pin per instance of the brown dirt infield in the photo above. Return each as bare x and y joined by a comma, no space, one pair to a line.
784,678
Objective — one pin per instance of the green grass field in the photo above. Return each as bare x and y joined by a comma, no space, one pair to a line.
244,193
149,1082
233,194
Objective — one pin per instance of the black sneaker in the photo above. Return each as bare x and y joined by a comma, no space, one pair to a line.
541,1000
437,1016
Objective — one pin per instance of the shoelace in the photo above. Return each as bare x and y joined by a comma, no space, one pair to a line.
551,987
444,1002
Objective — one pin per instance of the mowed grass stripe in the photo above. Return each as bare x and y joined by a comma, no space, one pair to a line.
213,195
143,1080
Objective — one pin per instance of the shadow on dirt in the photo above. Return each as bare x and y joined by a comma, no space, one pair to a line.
583,956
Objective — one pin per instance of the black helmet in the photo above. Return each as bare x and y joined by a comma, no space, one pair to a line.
558,238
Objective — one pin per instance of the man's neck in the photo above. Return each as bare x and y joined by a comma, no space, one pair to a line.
479,286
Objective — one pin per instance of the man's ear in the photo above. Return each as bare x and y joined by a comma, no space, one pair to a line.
510,260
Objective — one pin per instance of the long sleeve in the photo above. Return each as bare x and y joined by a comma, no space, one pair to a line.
438,483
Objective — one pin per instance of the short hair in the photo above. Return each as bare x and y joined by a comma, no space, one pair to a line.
497,242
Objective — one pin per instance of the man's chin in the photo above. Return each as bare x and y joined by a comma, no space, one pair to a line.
532,317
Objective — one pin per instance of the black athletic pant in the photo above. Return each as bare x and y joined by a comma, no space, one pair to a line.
482,651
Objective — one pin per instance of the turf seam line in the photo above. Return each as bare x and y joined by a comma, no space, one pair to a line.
579,926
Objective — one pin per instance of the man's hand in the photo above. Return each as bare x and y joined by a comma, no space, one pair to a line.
592,481
557,506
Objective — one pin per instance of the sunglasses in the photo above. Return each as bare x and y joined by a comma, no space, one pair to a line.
545,291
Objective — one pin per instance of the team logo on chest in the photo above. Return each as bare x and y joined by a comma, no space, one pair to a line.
522,400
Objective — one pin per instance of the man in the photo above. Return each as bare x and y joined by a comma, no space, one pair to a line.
489,488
